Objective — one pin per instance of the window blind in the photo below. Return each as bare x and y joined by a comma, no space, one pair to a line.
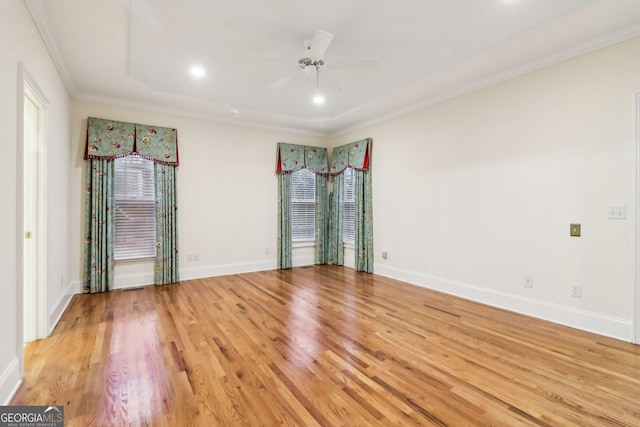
135,225
349,224
303,206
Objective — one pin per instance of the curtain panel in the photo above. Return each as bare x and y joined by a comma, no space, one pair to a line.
336,222
107,140
284,221
363,221
99,235
167,256
291,158
322,220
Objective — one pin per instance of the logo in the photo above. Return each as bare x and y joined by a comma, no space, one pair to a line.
31,416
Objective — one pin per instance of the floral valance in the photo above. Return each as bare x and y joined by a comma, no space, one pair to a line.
356,155
108,139
292,157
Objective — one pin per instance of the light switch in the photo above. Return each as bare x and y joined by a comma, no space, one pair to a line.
574,230
617,212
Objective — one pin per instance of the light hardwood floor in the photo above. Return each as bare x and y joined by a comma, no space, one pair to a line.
322,346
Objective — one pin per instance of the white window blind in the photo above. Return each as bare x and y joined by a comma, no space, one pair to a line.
349,224
303,206
135,224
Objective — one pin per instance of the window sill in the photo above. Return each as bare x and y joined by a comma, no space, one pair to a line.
303,244
133,260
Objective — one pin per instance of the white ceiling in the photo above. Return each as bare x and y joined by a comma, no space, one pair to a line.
137,53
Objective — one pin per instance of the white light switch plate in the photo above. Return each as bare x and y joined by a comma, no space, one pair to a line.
617,212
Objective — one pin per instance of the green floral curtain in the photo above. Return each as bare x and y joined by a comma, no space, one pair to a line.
322,211
363,221
290,158
158,144
293,157
106,140
284,222
336,245
356,155
167,265
99,226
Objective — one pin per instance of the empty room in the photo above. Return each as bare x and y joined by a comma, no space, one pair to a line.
339,213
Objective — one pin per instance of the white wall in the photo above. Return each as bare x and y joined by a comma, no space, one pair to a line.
475,193
20,42
227,191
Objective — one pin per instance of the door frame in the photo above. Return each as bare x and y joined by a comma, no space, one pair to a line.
636,279
28,87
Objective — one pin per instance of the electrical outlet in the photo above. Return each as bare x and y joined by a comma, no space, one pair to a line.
384,254
576,291
528,281
189,257
196,257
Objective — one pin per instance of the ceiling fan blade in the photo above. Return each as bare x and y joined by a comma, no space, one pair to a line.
319,44
324,76
283,81
354,65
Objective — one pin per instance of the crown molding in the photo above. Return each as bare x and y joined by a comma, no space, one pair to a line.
602,23
39,15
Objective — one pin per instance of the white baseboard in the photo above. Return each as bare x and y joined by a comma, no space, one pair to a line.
226,269
10,380
580,319
60,306
124,281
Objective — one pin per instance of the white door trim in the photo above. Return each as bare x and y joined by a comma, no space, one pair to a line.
636,279
28,87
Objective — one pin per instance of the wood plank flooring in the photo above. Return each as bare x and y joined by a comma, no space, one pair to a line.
322,346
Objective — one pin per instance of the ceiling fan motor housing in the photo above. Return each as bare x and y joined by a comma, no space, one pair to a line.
307,62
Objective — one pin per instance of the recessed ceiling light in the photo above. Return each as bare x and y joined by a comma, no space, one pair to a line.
197,71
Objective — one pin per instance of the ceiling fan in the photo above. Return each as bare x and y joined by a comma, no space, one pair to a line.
314,61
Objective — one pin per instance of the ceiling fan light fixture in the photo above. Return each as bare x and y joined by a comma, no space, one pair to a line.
318,98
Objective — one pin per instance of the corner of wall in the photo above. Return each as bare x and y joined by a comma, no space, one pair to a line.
61,305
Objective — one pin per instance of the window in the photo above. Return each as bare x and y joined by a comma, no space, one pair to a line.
303,206
349,223
135,223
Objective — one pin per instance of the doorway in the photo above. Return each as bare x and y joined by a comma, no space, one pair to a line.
33,213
